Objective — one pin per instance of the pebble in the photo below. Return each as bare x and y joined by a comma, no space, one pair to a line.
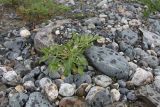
25,33
29,85
146,77
66,89
45,82
115,94
103,80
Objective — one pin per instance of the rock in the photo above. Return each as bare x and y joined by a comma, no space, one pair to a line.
103,80
51,92
123,91
66,89
109,62
131,95
44,37
156,71
54,75
127,36
25,33
58,82
150,38
36,99
18,100
149,95
10,77
19,88
79,79
45,82
115,94
122,83
29,85
157,83
30,76
20,69
141,77
117,104
100,4
72,102
133,66
3,99
98,97
80,92
134,22
152,61
69,79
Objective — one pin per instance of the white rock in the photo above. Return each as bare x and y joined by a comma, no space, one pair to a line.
101,40
100,4
67,89
125,26
115,94
10,77
29,85
141,77
25,33
57,32
103,80
51,92
133,66
45,82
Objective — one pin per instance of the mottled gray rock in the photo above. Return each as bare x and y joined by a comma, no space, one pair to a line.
54,75
150,37
108,61
67,89
141,77
20,69
18,100
36,99
152,61
98,97
140,53
103,80
3,99
128,36
79,79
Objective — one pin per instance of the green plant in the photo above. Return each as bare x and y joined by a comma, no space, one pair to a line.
36,10
68,56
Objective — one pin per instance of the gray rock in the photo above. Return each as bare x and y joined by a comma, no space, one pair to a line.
20,69
131,95
18,100
150,37
109,62
54,75
123,91
67,89
98,97
79,79
32,74
122,83
157,83
140,53
69,79
36,99
103,80
58,82
156,71
45,82
128,36
152,61
44,36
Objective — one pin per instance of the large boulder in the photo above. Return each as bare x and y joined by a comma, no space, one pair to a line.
108,61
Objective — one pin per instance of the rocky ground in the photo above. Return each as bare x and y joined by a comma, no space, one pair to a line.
124,68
